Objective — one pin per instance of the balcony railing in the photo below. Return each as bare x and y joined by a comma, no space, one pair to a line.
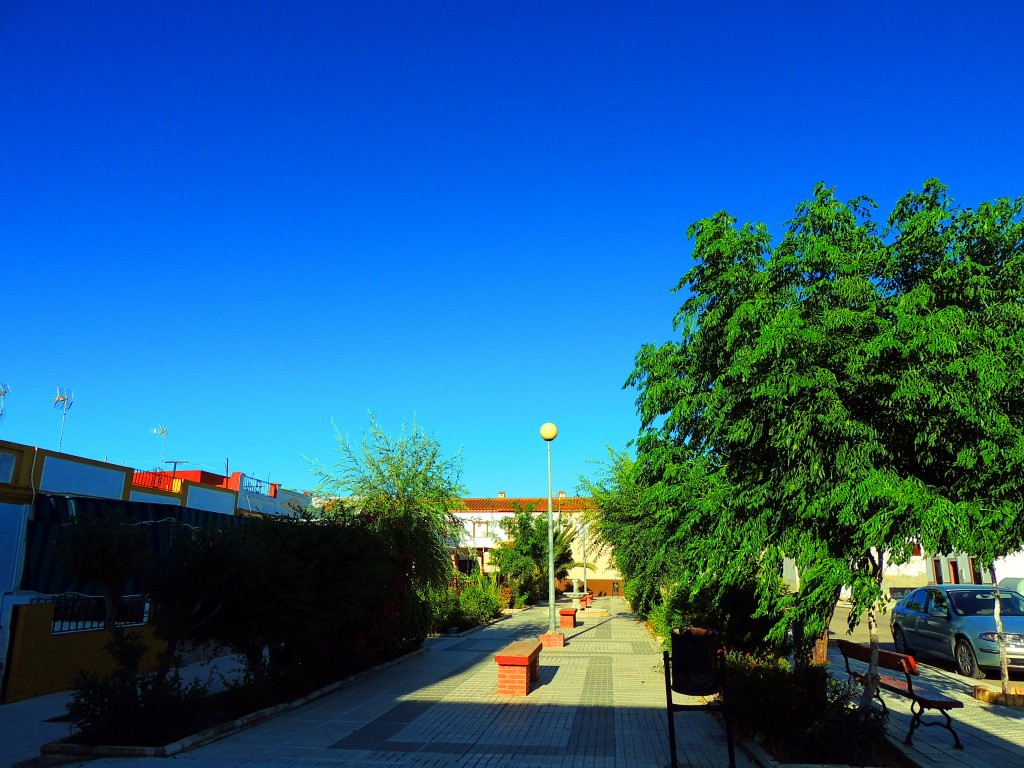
161,481
255,485
80,613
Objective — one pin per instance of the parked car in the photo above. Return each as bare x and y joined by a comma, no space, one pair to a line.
956,622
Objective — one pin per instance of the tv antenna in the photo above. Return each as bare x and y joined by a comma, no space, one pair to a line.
63,400
174,466
162,431
4,389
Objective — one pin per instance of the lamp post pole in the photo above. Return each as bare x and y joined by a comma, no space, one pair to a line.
585,558
549,432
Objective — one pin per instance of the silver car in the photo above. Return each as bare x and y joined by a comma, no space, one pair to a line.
955,622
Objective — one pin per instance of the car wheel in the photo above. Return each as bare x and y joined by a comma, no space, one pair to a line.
966,661
900,641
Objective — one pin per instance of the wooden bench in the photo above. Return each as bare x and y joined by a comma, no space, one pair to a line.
901,663
567,618
518,666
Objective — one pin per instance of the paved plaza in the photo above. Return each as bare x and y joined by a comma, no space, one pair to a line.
600,702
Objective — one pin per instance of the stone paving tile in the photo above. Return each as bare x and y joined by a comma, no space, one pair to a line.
991,735
600,703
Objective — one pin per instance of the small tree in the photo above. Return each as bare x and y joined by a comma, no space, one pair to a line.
405,488
518,557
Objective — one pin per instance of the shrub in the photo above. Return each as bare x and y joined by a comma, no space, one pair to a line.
444,609
730,609
802,715
147,711
506,596
480,600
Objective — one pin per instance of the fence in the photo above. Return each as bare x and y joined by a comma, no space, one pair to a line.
255,485
81,613
158,480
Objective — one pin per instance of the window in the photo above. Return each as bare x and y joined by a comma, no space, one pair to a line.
7,467
937,603
916,601
975,571
480,529
937,570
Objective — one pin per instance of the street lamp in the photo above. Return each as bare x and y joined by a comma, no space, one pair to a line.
585,591
549,432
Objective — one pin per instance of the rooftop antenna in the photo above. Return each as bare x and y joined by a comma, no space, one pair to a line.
162,431
4,389
174,466
63,400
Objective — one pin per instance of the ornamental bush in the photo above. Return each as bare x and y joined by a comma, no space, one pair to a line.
802,715
480,600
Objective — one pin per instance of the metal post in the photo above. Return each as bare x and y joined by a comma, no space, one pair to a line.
551,554
549,432
585,559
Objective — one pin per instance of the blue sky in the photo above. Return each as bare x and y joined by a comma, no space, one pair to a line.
243,220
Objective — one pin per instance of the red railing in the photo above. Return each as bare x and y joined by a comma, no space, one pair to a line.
162,481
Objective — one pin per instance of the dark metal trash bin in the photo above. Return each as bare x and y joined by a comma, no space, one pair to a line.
695,662
696,668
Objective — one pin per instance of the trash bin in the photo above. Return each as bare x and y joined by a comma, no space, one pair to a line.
695,662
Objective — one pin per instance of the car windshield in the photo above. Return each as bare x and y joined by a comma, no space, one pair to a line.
981,602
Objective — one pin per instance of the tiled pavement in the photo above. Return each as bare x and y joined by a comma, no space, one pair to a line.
991,735
600,702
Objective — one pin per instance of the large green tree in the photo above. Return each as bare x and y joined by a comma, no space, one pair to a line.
797,383
957,342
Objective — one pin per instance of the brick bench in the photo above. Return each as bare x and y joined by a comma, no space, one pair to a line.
518,666
567,618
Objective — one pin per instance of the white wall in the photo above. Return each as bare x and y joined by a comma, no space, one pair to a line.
75,477
212,500
291,503
153,498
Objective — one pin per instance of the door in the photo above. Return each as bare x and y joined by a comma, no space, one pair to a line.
911,613
934,625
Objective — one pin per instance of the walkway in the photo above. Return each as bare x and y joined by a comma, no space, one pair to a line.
600,702
991,735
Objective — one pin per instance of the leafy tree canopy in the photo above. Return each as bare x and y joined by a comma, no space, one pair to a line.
835,398
404,486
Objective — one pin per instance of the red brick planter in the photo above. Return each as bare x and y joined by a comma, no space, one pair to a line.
555,640
518,666
567,618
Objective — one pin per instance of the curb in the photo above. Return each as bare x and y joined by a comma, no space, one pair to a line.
757,753
58,752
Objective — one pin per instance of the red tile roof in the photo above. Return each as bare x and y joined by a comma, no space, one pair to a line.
567,504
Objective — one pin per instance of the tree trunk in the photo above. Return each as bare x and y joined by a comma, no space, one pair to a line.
871,679
997,614
819,652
